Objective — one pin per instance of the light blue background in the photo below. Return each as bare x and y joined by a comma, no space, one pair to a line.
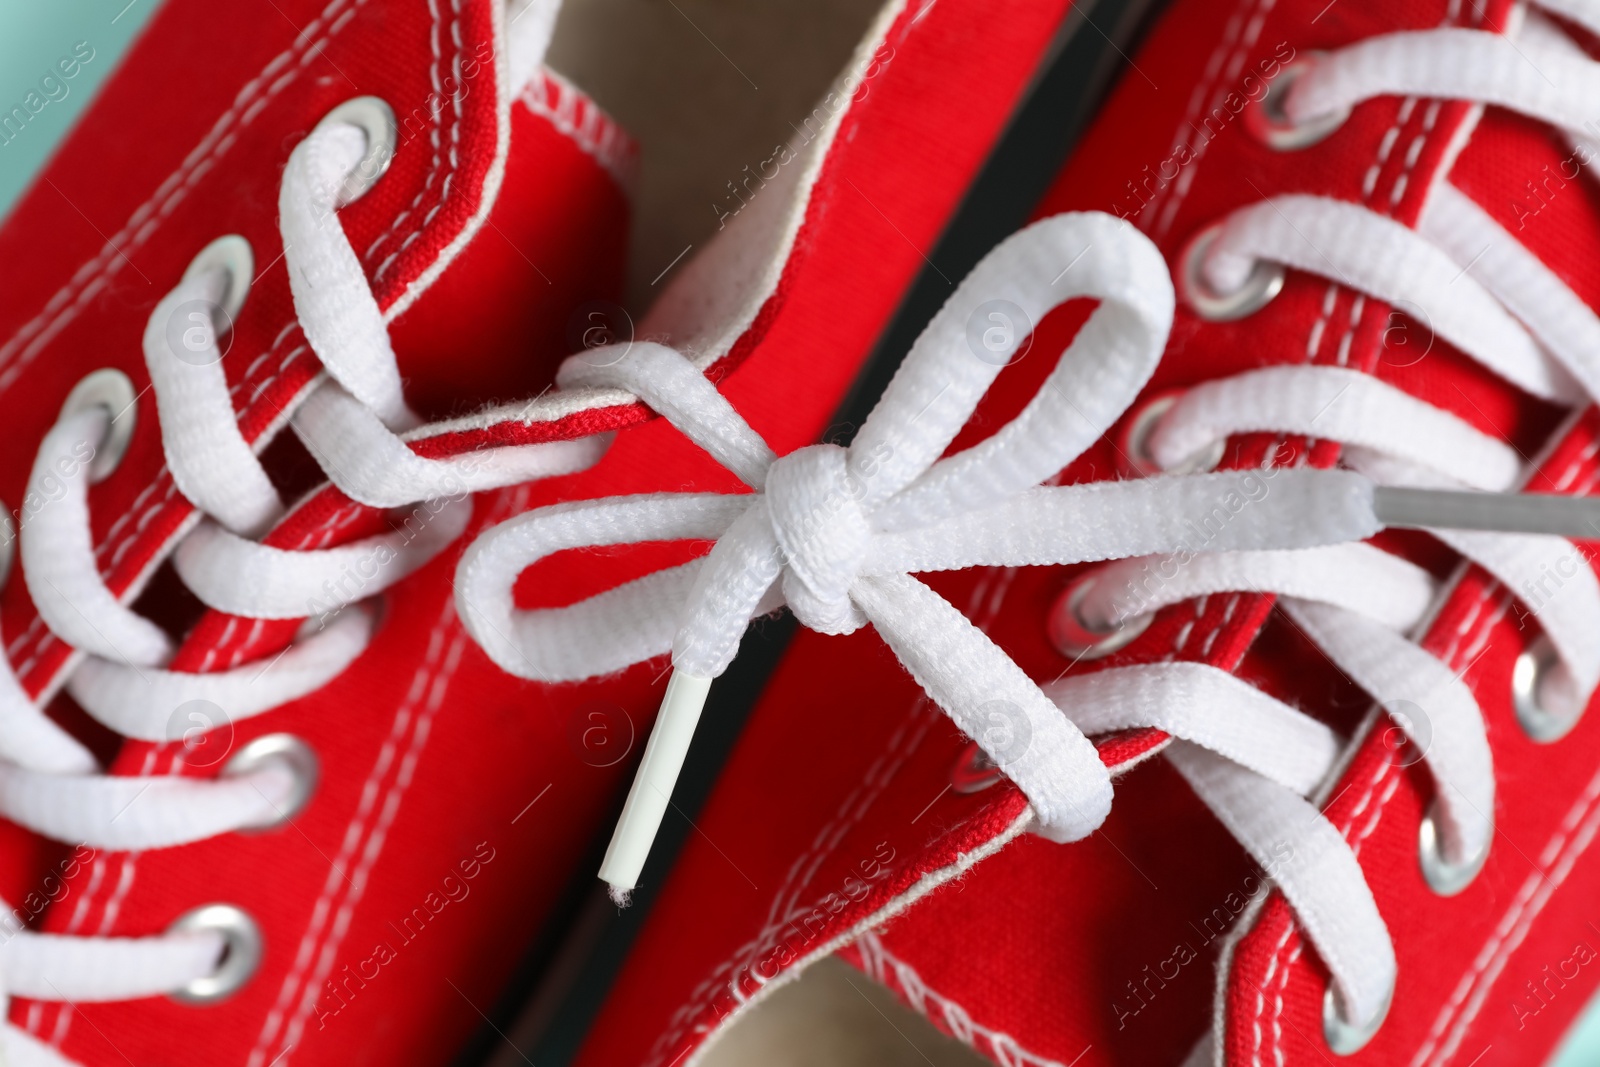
35,33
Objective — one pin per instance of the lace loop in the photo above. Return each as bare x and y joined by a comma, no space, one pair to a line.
211,462
338,313
58,560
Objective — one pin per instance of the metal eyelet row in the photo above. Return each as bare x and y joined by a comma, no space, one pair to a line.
1267,121
113,390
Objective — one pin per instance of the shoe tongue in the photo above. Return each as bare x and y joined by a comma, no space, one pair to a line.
546,267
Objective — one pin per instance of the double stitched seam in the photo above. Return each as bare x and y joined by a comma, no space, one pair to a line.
1489,958
330,936
125,883
436,172
1189,135
886,968
595,134
144,222
317,932
234,648
125,532
1369,185
1559,858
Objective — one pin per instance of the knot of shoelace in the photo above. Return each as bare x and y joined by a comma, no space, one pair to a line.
837,533
823,533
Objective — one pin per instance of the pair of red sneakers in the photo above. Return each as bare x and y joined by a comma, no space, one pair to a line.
310,732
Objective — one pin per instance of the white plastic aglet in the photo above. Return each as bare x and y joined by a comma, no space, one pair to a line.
652,786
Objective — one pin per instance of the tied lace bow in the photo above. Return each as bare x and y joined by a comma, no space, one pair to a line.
836,533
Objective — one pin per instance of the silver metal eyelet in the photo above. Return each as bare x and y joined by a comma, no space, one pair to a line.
113,390
1075,638
233,256
1269,124
1135,447
241,952
287,749
1527,676
1445,878
974,771
375,118
1264,283
1344,1037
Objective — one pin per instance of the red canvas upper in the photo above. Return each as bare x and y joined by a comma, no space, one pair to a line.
834,827
454,801
482,191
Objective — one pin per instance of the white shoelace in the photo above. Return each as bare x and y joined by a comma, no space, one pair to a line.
1492,298
50,783
836,532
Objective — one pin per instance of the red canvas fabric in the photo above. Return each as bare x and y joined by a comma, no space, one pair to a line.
835,828
455,800
84,259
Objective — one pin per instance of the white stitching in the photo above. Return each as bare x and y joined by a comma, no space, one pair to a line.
146,218
1523,912
433,138
1385,144
595,132
125,885
375,841
1181,138
1004,1049
354,834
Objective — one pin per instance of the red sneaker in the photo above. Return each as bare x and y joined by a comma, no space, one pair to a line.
145,352
1380,265
362,297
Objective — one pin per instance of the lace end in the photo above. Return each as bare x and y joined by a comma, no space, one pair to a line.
652,785
621,897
